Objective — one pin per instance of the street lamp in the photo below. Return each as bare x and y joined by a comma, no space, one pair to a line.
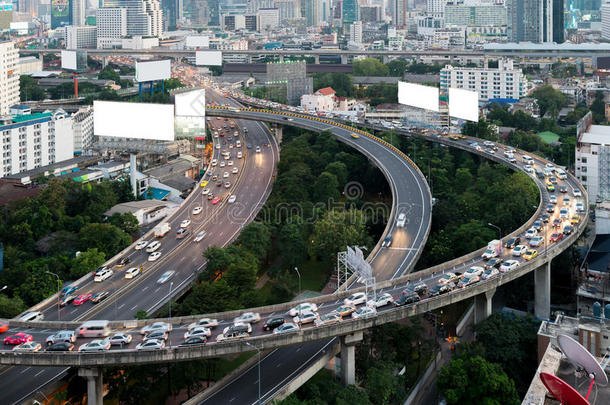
297,270
3,288
259,370
58,288
497,227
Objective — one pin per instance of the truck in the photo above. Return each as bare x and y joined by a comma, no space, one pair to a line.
494,248
162,229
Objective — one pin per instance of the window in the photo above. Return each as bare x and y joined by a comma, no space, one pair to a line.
584,160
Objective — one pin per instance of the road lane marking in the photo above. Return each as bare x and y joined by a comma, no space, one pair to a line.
24,370
40,372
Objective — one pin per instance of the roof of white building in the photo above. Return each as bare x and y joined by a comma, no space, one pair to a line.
597,134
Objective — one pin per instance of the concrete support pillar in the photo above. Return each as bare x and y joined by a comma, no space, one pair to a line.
385,59
132,173
482,305
278,133
281,57
316,59
542,291
95,388
104,61
344,59
348,357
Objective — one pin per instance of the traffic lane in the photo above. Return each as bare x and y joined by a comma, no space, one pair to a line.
14,389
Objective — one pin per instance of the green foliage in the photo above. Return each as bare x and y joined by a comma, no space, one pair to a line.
86,262
336,230
423,68
66,90
29,90
370,67
106,237
108,73
469,380
397,67
126,222
383,387
482,129
340,82
598,107
141,314
379,93
256,238
549,100
11,307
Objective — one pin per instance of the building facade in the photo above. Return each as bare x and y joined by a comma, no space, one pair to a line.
504,82
350,12
355,32
530,20
78,12
475,14
9,79
593,158
82,126
111,25
31,141
144,17
398,9
84,36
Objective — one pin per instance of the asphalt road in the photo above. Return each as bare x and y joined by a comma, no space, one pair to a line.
222,223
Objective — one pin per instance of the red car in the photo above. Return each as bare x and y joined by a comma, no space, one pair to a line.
18,338
556,237
216,200
3,327
81,299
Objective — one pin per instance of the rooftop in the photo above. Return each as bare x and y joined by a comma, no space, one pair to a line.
597,134
62,167
549,137
326,91
134,206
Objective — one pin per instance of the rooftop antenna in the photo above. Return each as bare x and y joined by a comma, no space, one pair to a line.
562,391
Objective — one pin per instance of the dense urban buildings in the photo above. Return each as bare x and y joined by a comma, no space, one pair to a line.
9,80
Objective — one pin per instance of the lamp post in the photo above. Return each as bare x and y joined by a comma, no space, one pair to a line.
497,227
3,288
299,274
58,288
259,371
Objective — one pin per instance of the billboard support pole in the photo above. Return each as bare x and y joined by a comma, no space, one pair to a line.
139,91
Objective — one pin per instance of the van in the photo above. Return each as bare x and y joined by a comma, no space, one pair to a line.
527,160
32,316
93,329
561,174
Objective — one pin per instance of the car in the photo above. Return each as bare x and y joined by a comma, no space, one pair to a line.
553,180
230,163
576,193
99,270
563,189
153,246
258,149
419,287
132,272
3,326
306,306
217,146
166,276
305,317
248,317
536,241
355,299
214,161
364,312
345,310
512,242
227,184
235,170
273,323
575,219
566,201
468,280
95,346
216,200
406,298
557,223
530,233
401,220
550,187
508,266
154,256
60,347
197,210
81,299
545,217
564,213
567,230
240,155
528,169
530,254
387,241
204,183
489,273
203,322
199,236
151,345
141,244
232,199
550,208
225,175
28,347
199,331
518,250
240,326
580,207
125,260
493,263
328,319
556,237
195,340
474,271
537,225
448,278
18,338
381,300
553,199
61,336
66,299
185,223
120,339
103,275
489,253
249,146
182,232
164,326
205,191
156,335
215,177
355,136
219,183
223,337
68,290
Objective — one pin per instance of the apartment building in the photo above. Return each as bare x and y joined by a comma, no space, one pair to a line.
9,79
111,25
593,158
84,36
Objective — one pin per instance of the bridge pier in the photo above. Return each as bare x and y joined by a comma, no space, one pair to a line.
316,59
278,131
482,305
348,357
542,291
281,57
95,387
104,62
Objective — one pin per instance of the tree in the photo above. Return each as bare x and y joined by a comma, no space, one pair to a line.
29,90
470,380
397,67
141,314
11,307
370,67
106,237
86,262
108,73
326,188
383,387
212,297
598,107
339,169
38,286
256,238
291,244
241,274
549,100
482,129
335,231
127,222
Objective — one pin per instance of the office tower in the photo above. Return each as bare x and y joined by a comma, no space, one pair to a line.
435,8
558,21
605,9
289,9
78,12
61,13
82,36
268,19
530,20
111,25
171,10
478,14
351,12
9,80
144,17
312,12
355,32
398,10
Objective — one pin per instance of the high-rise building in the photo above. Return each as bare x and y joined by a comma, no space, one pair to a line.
398,10
355,32
84,36
312,12
82,125
477,14
350,12
61,13
593,158
558,21
144,17
78,12
268,19
289,9
435,8
9,79
171,9
530,20
111,25
605,9
289,79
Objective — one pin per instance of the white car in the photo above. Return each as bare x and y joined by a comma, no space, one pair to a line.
141,244
382,300
258,149
306,306
509,265
536,241
566,200
474,271
153,246
185,223
580,207
528,169
197,210
401,220
490,273
448,278
364,312
154,256
151,345
286,328
248,317
232,198
489,254
577,193
564,213
164,326
355,299
225,175
199,331
519,250
205,191
239,155
199,236
305,317
204,322
235,170
214,162
530,233
230,163
165,276
132,272
95,346
103,275
222,163
217,146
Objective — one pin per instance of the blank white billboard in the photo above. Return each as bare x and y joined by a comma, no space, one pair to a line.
133,120
419,96
464,104
68,60
197,41
208,58
153,70
190,104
